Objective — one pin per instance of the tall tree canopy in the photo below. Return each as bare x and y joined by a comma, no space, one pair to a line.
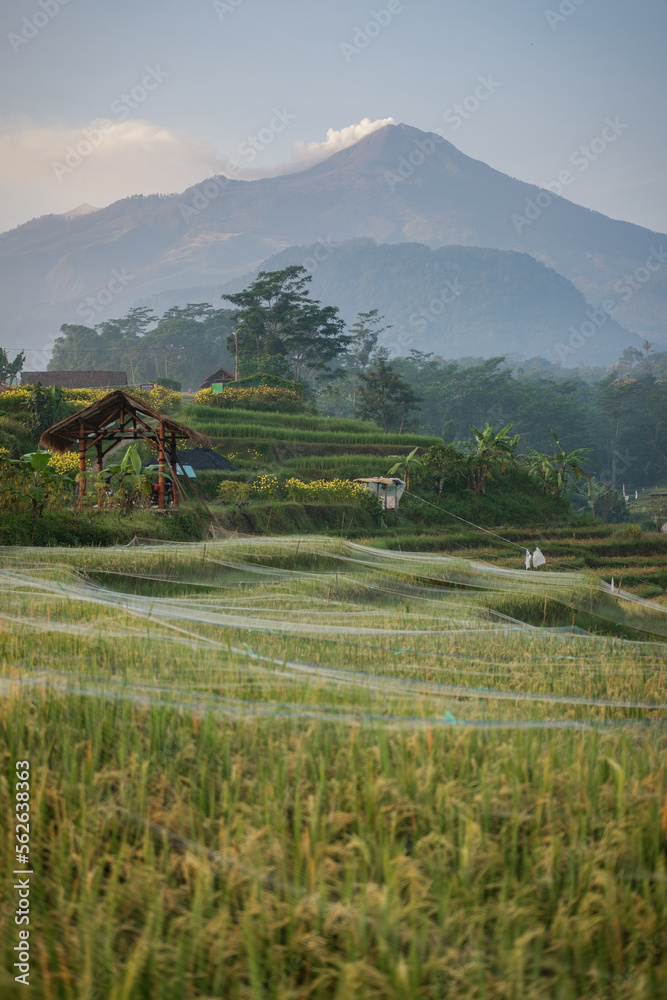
186,343
281,330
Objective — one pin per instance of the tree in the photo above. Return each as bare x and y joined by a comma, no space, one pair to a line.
46,406
187,343
491,449
555,471
279,326
10,369
383,395
443,461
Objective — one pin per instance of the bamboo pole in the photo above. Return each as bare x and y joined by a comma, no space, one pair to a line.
161,465
174,481
82,461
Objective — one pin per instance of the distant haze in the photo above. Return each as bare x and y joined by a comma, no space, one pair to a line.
101,101
553,278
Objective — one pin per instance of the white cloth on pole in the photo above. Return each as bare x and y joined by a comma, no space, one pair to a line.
528,558
538,559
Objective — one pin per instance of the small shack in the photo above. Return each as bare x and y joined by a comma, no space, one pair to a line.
118,417
388,489
219,375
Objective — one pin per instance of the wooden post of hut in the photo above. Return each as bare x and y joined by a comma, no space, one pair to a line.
161,467
82,460
106,423
174,481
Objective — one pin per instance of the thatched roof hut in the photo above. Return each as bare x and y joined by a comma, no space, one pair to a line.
117,417
61,437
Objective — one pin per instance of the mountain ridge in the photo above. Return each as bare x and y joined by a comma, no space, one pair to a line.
396,185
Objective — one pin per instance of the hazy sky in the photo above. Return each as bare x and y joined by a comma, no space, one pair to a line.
185,86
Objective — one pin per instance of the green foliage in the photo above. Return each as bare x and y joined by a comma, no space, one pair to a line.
279,328
189,342
406,464
384,395
31,483
230,491
9,370
169,383
263,378
554,472
46,406
445,462
599,499
123,485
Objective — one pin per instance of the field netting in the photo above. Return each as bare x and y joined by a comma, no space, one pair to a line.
332,630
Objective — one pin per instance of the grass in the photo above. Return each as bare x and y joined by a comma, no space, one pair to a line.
306,768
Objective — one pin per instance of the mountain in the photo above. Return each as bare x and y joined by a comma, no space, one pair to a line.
397,185
454,301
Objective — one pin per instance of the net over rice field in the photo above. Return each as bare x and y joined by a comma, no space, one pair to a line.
309,768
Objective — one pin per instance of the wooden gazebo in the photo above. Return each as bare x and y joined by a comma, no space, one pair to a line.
118,417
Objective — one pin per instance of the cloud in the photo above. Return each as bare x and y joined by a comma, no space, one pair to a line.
306,154
53,168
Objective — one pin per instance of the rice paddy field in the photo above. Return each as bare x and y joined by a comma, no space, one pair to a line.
284,435
314,768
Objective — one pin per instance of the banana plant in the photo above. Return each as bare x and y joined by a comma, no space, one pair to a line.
406,463
37,480
492,449
555,471
127,479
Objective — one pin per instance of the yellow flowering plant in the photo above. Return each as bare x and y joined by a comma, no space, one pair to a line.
266,486
329,491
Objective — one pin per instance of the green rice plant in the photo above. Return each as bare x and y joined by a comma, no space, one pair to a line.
306,767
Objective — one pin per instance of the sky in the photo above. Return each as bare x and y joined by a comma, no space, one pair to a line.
101,99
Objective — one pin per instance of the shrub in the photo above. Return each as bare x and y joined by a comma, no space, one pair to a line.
266,398
233,492
162,399
332,492
67,464
170,383
267,487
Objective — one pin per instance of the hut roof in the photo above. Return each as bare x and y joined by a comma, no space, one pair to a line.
104,412
219,375
76,379
205,459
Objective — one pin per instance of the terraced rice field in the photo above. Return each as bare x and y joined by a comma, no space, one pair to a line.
311,768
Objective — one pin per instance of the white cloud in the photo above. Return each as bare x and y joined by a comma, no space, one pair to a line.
306,154
53,168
